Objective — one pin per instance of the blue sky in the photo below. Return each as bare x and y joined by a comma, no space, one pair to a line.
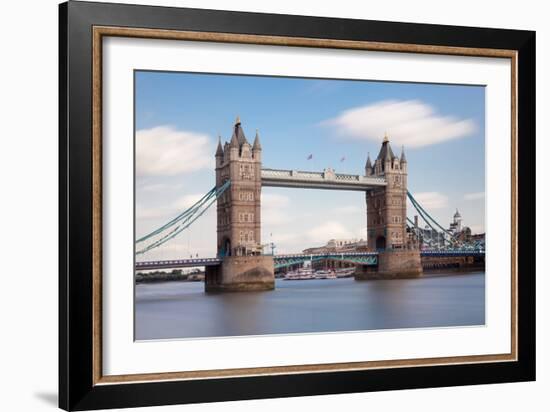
179,115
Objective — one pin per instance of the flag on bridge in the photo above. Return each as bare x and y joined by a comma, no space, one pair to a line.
343,158
310,156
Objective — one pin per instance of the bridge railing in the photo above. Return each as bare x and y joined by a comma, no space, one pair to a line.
291,255
325,176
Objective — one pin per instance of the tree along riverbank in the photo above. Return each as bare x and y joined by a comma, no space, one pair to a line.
176,274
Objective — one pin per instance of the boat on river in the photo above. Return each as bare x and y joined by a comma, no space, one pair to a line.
300,274
345,273
325,274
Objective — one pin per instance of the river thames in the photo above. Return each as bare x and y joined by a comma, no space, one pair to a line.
171,310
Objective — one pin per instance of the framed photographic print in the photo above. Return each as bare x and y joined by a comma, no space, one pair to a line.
257,205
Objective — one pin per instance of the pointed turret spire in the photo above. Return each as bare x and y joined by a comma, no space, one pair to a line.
385,154
234,142
219,150
369,164
238,133
257,145
403,158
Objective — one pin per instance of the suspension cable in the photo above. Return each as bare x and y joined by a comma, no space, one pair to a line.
191,210
420,209
422,212
183,220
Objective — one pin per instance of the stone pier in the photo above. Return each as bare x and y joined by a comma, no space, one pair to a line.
393,264
435,263
241,273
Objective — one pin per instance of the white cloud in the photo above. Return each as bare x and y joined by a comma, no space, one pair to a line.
361,233
285,238
351,209
187,201
408,122
165,151
274,201
476,229
165,213
275,209
432,200
158,187
147,213
474,196
329,230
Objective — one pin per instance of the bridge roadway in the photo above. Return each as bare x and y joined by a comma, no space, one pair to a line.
357,257
327,179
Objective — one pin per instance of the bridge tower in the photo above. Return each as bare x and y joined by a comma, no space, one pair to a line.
238,217
239,208
387,206
387,216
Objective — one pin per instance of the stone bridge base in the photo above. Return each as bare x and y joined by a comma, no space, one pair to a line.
394,264
241,273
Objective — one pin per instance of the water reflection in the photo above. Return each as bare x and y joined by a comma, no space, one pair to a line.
183,310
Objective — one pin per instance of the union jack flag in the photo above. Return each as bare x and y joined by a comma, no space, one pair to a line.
310,157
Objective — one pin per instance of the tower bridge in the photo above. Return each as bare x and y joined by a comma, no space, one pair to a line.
243,266
240,263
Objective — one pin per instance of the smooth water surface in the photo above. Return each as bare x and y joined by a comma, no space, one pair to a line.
183,310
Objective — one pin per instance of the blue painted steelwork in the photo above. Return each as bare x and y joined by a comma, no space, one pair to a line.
451,240
181,222
367,258
363,258
450,253
175,264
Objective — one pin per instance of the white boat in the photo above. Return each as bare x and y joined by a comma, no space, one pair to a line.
300,274
345,273
325,274
291,276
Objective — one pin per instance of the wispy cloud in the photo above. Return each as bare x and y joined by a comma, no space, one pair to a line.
412,123
148,213
186,201
477,229
432,200
275,209
474,196
329,230
158,187
319,235
171,210
166,151
322,87
350,209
